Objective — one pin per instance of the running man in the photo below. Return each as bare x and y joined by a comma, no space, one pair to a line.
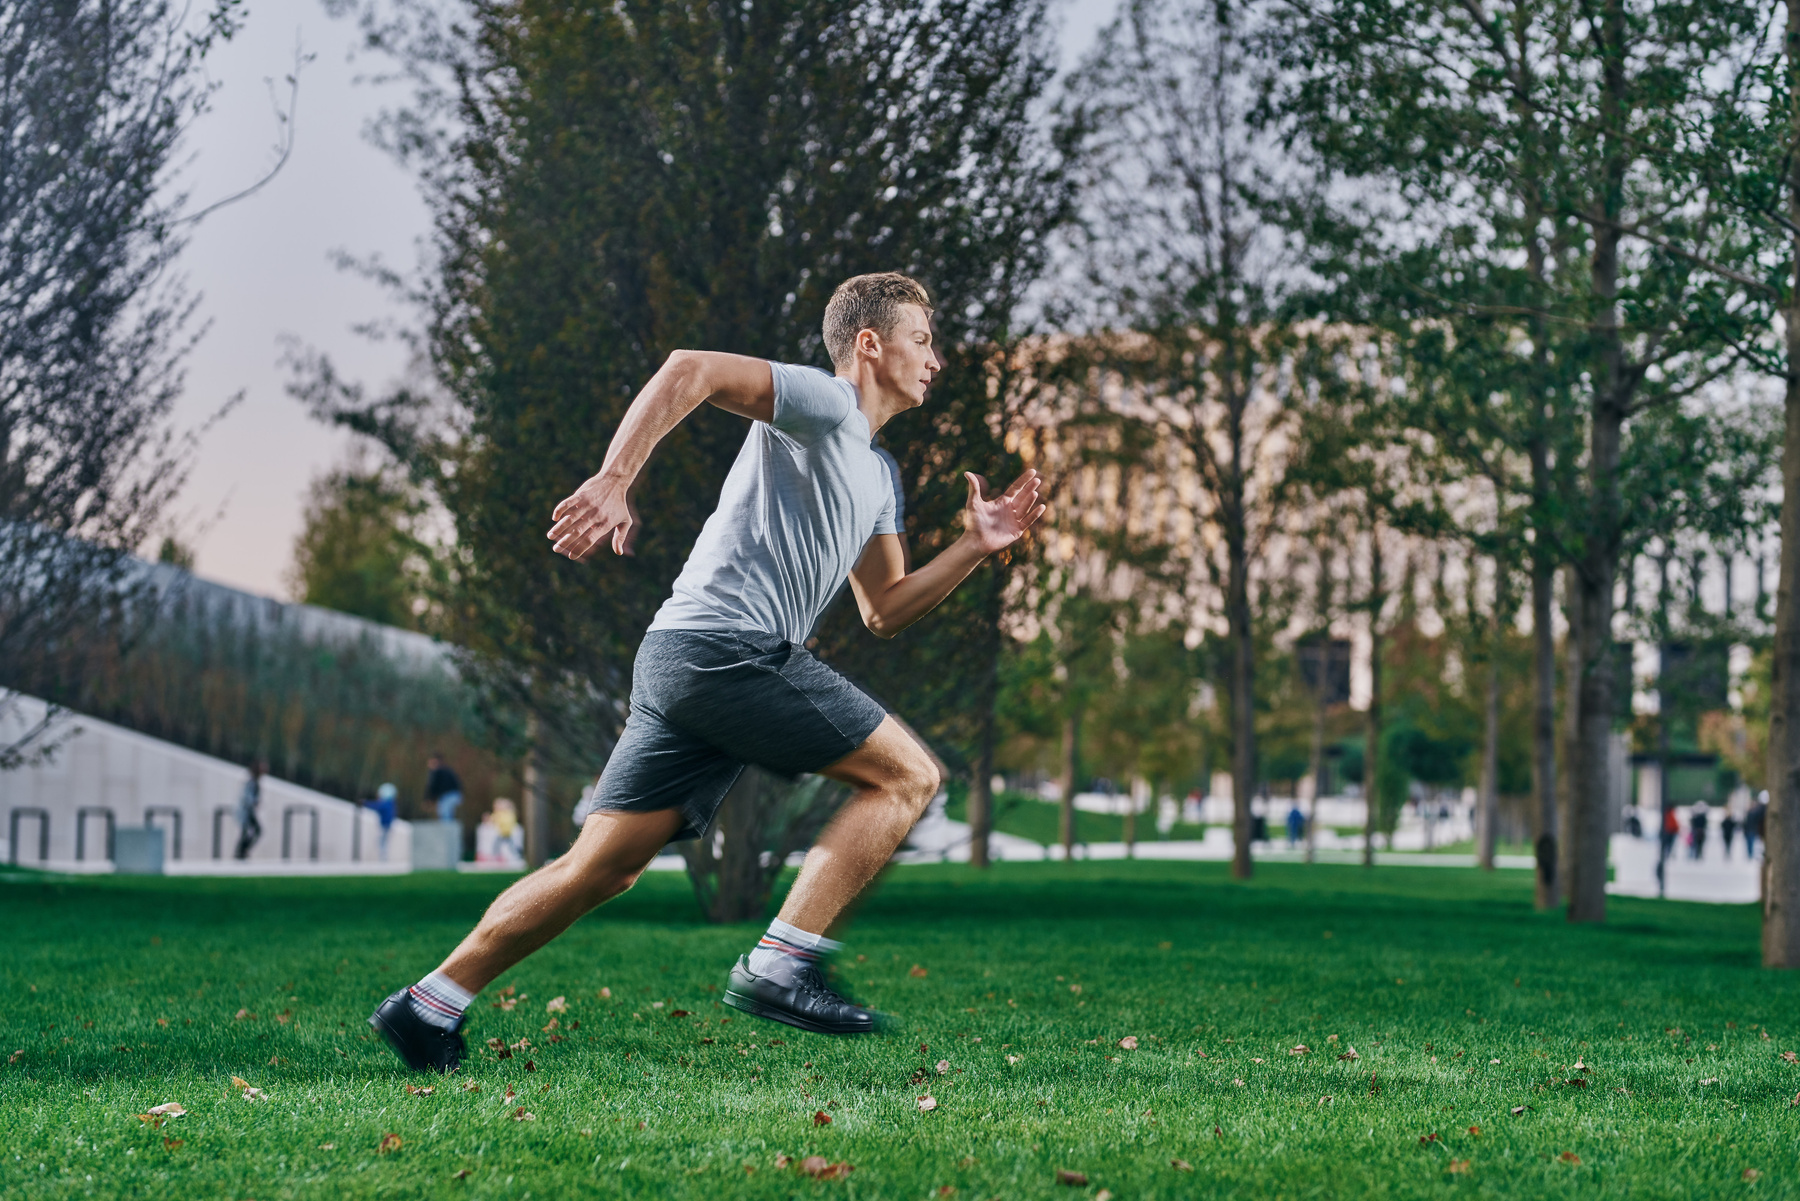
723,678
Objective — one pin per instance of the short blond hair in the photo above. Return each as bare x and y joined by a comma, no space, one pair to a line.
868,302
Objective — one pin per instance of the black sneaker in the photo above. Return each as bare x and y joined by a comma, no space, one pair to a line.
424,1047
807,1002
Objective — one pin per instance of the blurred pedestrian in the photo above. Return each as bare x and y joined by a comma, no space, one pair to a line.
1671,830
249,828
1697,822
1296,825
1728,826
386,802
443,788
1753,823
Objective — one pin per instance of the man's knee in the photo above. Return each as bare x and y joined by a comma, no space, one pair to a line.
919,781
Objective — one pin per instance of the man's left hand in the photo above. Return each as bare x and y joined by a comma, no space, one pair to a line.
995,523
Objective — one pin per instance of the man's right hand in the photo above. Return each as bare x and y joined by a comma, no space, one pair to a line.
599,508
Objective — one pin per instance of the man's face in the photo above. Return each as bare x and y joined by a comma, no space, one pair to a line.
908,363
433,762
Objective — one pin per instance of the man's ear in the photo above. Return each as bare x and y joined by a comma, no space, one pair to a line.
868,342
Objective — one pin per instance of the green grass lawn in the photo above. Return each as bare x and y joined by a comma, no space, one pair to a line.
1015,989
1027,816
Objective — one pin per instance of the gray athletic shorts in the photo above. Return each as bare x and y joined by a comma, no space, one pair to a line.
705,703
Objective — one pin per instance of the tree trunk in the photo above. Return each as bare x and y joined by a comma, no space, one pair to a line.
1131,804
1489,811
1597,567
1781,826
1071,751
1318,741
1243,718
981,800
537,803
1372,719
1543,726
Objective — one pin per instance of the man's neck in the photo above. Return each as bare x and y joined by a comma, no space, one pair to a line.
876,404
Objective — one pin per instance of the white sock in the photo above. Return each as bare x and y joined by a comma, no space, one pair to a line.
439,1000
785,949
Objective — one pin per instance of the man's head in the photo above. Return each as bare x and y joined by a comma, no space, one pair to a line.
883,322
434,760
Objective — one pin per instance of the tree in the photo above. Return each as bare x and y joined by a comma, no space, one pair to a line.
610,184
1541,134
94,99
1178,250
357,550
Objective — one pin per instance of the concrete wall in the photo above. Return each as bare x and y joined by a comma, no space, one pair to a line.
134,777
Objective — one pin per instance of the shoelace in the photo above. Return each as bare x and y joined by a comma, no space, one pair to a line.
812,982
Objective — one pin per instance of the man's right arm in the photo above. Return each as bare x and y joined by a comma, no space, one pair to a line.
601,507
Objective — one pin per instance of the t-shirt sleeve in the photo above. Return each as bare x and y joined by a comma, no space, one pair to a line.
893,513
808,403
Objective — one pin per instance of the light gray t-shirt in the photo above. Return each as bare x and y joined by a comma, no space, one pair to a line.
807,492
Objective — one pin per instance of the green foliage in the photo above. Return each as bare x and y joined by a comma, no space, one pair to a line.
357,552
1419,976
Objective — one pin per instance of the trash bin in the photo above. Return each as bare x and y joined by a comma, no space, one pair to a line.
138,851
436,846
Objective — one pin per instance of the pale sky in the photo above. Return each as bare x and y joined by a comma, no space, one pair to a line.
264,267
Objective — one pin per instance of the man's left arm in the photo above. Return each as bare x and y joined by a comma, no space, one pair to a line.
892,598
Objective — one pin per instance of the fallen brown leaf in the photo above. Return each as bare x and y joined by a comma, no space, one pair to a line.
1789,1057
16,1055
782,1159
1350,1054
1475,1130
1517,1110
170,1142
171,1109
556,1005
1181,1165
243,1015
469,1086
328,1146
389,1142
1302,1049
927,1104
1751,1174
1459,1166
1064,1176
1129,1042
460,1174
415,1091
606,994
519,1115
821,1118
917,973
820,1168
1570,1157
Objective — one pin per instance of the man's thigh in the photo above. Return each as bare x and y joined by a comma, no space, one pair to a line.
619,842
892,753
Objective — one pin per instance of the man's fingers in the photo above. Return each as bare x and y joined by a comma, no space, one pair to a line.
1031,518
1029,477
977,485
623,536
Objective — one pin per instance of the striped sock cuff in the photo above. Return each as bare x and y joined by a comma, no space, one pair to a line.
439,999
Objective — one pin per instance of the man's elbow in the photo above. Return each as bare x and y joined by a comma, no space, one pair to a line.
880,626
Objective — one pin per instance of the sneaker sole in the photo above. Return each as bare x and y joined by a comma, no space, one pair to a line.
755,1008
